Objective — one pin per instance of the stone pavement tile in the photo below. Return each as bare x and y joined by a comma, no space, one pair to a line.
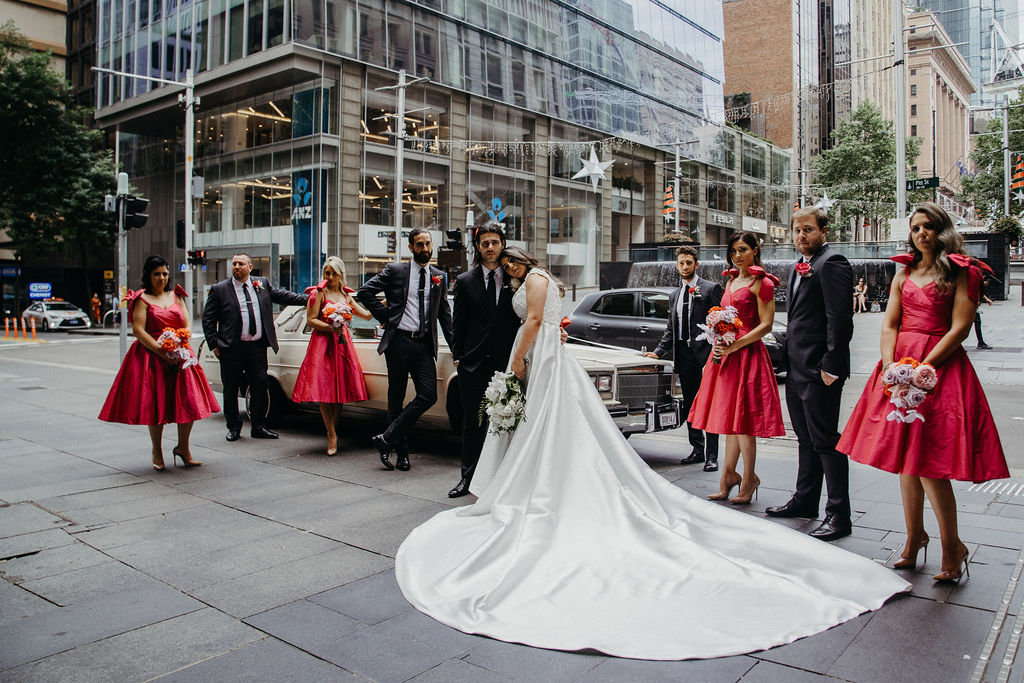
26,518
51,562
58,482
996,538
869,543
885,516
991,569
986,521
614,670
55,631
169,501
915,640
305,510
17,602
285,583
246,489
371,600
460,670
379,524
399,648
124,492
305,625
817,653
521,662
10,448
266,660
84,584
146,652
1012,511
770,672
34,542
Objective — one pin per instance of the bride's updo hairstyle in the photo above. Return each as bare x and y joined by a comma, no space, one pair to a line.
948,241
525,258
748,238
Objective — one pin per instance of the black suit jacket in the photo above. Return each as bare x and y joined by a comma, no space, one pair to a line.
710,296
393,281
820,318
222,315
481,328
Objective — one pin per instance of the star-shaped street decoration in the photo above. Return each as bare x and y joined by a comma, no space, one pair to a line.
593,168
825,203
1018,196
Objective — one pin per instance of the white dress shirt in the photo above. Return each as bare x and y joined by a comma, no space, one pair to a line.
245,310
410,321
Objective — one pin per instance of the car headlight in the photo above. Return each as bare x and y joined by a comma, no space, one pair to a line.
677,387
770,339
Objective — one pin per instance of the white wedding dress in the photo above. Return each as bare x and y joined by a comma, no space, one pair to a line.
575,543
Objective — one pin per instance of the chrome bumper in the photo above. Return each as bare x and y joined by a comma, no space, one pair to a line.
655,417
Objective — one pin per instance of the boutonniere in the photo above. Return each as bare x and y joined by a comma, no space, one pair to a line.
695,291
435,280
256,285
804,269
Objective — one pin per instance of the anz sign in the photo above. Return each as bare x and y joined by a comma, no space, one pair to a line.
302,201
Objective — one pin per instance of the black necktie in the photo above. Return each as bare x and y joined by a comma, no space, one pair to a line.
423,314
684,322
490,287
252,313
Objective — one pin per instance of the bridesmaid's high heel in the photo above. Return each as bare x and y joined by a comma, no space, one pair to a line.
332,445
912,549
954,575
158,466
725,487
185,462
745,499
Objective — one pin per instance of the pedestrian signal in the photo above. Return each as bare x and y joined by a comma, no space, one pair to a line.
197,257
135,215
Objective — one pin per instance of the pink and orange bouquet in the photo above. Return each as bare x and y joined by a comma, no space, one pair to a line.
908,383
337,315
721,326
176,345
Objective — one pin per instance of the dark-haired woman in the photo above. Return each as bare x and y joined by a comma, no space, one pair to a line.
932,303
153,388
738,394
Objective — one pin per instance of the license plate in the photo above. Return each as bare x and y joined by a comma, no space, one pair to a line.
667,420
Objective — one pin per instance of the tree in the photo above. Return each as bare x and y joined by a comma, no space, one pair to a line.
53,170
985,188
860,169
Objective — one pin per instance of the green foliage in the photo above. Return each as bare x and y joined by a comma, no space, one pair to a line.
985,189
1009,226
860,169
53,170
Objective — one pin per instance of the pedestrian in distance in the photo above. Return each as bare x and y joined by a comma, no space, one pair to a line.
688,308
330,373
96,304
860,293
817,349
982,346
416,297
239,326
160,384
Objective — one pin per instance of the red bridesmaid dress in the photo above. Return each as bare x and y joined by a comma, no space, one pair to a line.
740,395
330,372
148,391
958,438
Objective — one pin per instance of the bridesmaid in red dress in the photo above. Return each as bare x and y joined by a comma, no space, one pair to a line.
738,394
330,374
151,388
932,302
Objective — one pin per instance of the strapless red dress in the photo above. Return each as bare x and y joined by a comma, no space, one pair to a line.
740,395
148,391
958,438
330,372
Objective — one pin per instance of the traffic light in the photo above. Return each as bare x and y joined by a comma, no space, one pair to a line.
135,215
453,239
179,234
197,257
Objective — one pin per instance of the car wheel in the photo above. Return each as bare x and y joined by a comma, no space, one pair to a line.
46,325
453,405
275,404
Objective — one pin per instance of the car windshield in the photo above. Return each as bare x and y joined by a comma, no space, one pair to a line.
61,306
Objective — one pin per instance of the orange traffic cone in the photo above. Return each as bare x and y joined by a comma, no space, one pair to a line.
33,329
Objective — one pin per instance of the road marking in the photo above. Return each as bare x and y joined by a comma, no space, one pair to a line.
67,366
997,487
996,629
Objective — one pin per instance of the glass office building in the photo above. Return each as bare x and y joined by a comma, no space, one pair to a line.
296,135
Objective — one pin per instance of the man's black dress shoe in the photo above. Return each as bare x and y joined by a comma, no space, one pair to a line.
791,509
232,435
402,450
832,528
984,347
711,464
461,489
384,448
262,433
692,458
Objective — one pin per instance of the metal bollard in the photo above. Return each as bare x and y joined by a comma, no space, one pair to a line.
33,329
7,328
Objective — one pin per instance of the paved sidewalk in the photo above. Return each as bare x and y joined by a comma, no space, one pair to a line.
274,562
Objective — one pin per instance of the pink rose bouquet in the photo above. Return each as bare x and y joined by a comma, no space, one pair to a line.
908,383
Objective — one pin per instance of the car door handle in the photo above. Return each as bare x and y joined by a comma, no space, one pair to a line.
643,329
594,326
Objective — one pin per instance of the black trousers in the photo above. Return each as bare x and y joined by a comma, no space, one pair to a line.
977,327
407,357
814,411
472,385
690,369
248,360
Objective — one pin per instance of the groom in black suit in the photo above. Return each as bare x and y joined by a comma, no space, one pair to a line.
818,333
239,326
416,300
484,329
688,307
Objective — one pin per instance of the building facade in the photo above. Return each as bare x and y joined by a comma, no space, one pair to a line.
296,135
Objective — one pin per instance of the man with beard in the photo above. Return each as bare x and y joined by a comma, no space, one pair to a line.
416,300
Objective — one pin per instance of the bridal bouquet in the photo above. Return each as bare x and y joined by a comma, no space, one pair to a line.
908,383
337,314
720,326
176,346
504,404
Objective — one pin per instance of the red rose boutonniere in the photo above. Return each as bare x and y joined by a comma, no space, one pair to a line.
256,285
435,280
694,292
804,269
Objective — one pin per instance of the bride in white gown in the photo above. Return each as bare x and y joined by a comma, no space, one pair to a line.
575,543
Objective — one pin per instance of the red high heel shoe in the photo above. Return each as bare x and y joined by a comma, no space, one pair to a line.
954,575
725,487
910,562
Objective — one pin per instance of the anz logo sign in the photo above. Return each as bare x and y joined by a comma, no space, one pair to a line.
302,201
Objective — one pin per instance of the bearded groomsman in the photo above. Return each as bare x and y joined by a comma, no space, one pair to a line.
817,347
688,307
416,301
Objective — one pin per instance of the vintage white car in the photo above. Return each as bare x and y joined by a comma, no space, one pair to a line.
641,394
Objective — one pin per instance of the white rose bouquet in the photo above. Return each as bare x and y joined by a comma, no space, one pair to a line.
504,404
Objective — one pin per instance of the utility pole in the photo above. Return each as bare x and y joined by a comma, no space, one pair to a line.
1006,154
675,190
122,265
899,69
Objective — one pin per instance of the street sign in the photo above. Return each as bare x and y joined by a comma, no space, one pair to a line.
10,271
922,183
40,290
108,275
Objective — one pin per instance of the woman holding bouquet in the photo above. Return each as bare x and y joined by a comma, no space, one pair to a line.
738,394
932,302
330,374
160,382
